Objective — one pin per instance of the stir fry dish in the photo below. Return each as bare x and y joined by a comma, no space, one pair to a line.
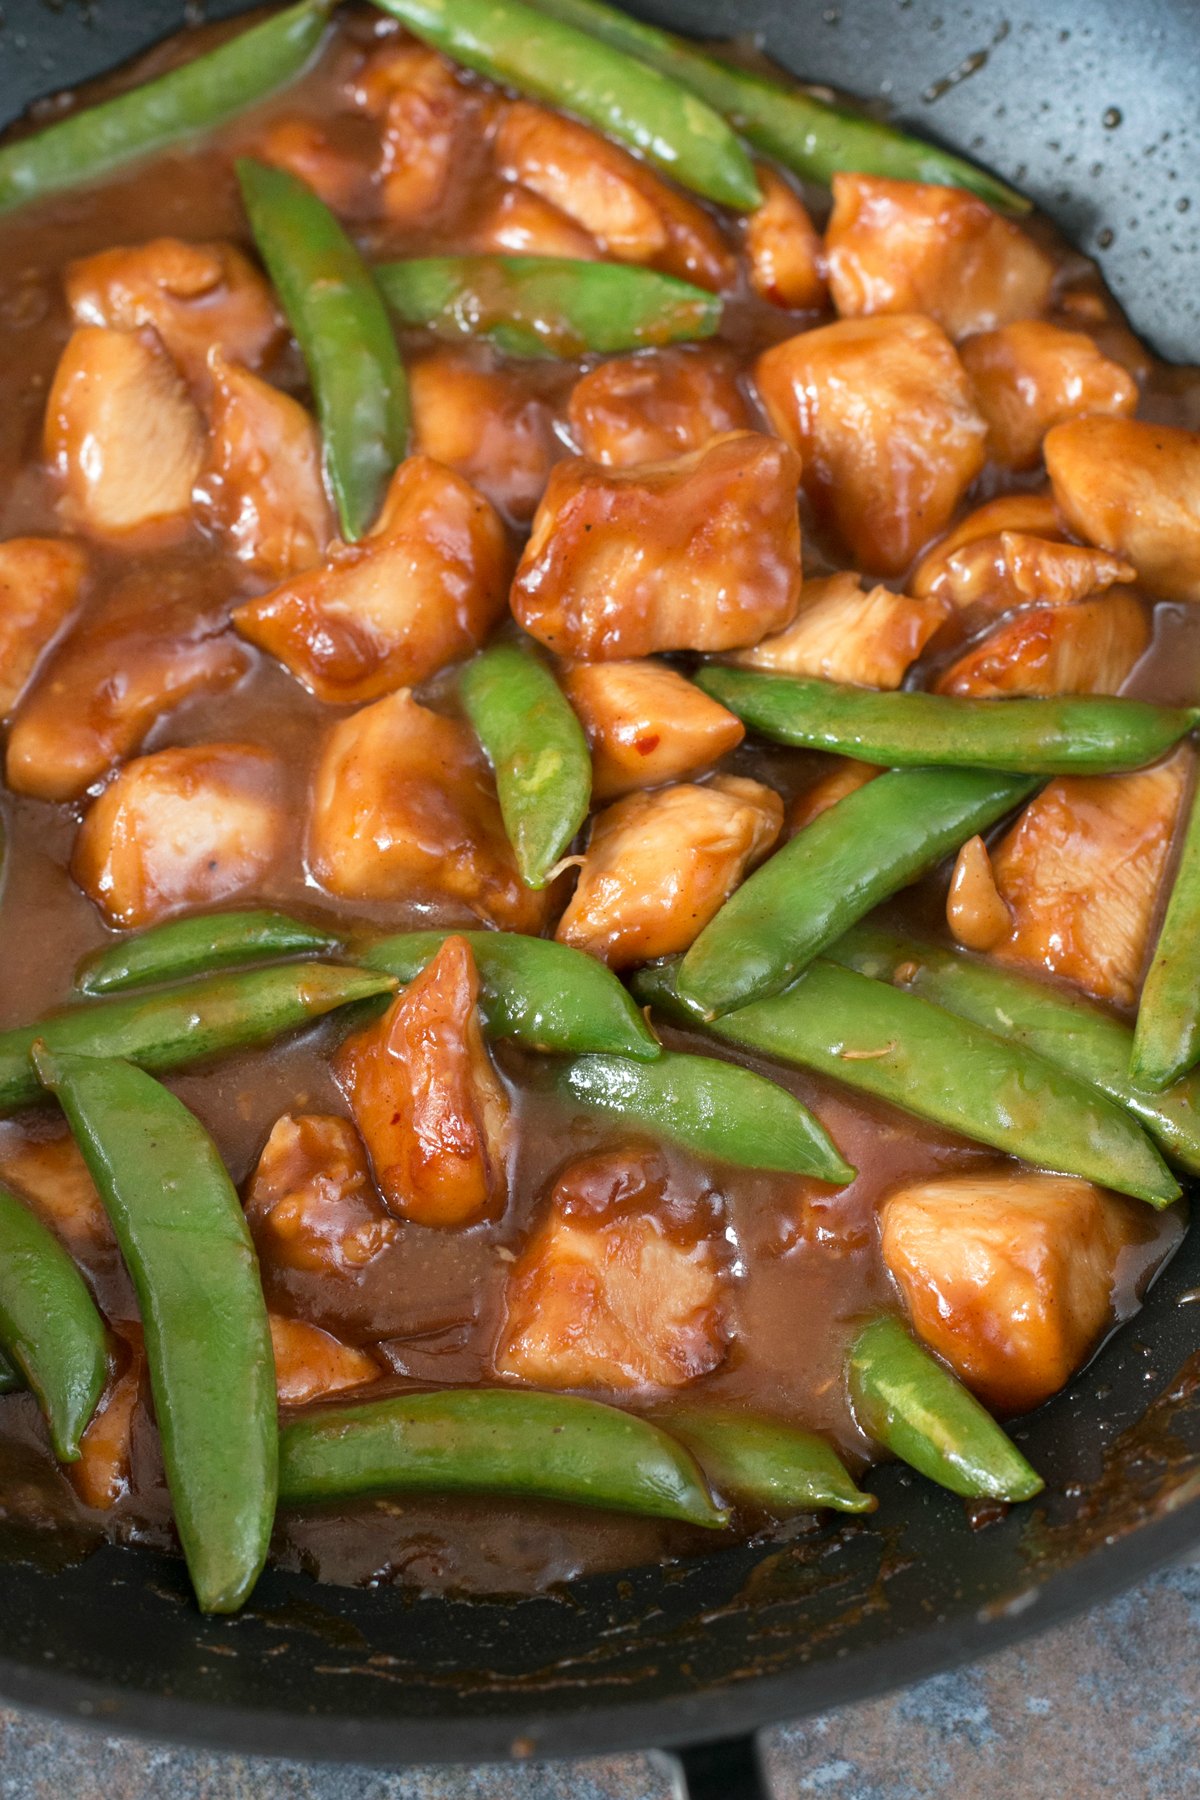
601,873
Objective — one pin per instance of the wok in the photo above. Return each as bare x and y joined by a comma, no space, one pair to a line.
1089,105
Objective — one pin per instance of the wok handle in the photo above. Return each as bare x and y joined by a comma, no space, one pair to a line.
729,1769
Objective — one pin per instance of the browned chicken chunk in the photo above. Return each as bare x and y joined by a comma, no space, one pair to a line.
646,409
518,223
784,253
1031,376
882,414
1087,647
40,584
311,1201
51,1174
484,421
621,1285
310,1363
1032,514
422,109
991,575
659,865
844,778
646,725
844,634
345,182
1133,488
433,1112
101,1476
702,553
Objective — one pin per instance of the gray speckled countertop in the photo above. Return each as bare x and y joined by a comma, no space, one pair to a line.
1108,1704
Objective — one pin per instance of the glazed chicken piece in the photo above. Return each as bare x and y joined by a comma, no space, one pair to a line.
123,434
102,1474
423,114
1034,515
311,1202
991,575
648,408
910,247
843,634
310,1363
264,483
702,553
1009,1276
404,807
1087,647
1082,870
660,865
486,423
182,828
844,778
1134,489
422,589
51,1175
307,150
646,725
621,1286
40,584
432,1110
881,413
518,223
631,214
1031,376
784,254
193,295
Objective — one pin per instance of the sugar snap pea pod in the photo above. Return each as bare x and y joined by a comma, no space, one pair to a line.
806,134
339,319
874,842
175,1026
49,1325
494,1441
198,946
548,305
545,996
765,1462
1048,1018
882,1041
714,1108
1166,1037
181,1231
537,749
193,98
539,55
1061,735
911,1404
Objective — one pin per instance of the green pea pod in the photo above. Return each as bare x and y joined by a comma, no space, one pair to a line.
187,100
548,305
198,946
175,1026
1062,735
1166,1038
49,1325
527,50
834,871
711,1107
180,1227
765,1462
912,1405
1049,1019
494,1441
884,1042
341,323
543,995
537,749
806,134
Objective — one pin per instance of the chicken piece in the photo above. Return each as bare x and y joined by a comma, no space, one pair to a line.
311,1201
1134,489
51,1175
991,575
881,412
423,589
404,807
910,247
486,423
1031,376
977,916
307,150
646,725
1088,647
702,553
518,223
265,486
632,214
622,1284
101,1476
422,108
432,1110
40,584
648,408
122,434
310,1363
784,254
193,295
121,670
660,865
1032,514
1082,870
844,778
843,634
182,828
1009,1276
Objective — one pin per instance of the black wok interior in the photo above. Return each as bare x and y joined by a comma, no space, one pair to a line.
1091,107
